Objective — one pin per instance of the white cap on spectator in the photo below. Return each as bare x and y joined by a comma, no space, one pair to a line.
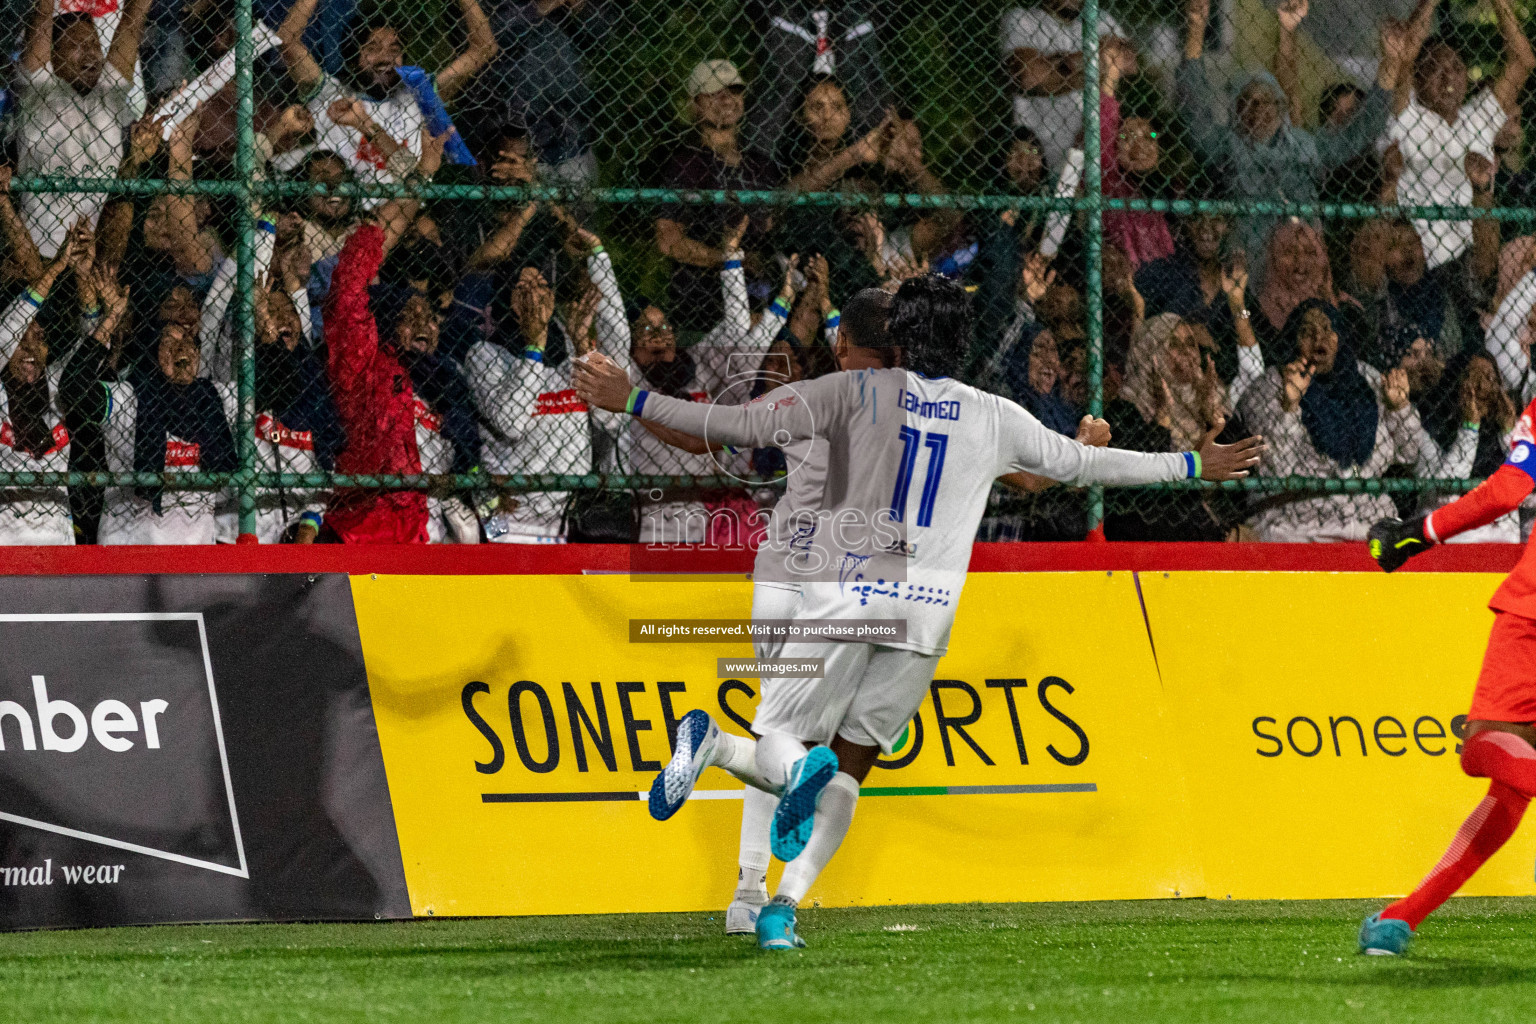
712,76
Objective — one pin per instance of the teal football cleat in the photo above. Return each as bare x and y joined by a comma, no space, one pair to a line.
1384,936
792,819
697,737
776,928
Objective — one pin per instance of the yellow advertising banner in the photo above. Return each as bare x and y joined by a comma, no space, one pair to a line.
1318,716
520,728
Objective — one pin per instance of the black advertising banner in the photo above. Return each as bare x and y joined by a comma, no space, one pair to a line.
189,748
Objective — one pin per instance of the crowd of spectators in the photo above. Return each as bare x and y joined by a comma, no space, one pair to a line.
397,336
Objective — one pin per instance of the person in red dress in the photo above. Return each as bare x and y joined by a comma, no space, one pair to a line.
1500,743
374,397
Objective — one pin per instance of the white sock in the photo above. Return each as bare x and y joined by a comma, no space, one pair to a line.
738,755
776,755
756,812
834,813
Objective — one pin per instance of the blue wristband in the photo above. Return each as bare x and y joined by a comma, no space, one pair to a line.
779,310
1192,465
733,264
532,354
636,404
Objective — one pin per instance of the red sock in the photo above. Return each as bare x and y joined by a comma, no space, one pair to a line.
1480,836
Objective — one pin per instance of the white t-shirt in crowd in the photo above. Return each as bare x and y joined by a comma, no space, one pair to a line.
398,114
59,131
1434,166
1057,120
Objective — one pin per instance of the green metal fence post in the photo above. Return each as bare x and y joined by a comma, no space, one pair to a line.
245,279
1093,206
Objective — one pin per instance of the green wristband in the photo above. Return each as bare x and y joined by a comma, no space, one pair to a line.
1198,467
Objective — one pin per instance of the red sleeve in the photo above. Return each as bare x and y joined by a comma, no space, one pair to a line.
1499,495
351,336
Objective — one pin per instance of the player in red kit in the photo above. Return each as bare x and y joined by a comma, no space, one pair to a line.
1500,741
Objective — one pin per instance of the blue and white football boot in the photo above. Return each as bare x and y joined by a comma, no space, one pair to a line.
776,927
697,737
1384,936
792,820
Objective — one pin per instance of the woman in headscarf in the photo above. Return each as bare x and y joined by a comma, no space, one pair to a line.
1325,414
1169,400
1298,271
33,436
1468,419
163,418
1258,152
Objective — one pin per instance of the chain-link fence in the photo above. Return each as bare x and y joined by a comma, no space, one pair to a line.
319,269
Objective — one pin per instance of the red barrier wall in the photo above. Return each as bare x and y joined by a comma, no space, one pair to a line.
515,559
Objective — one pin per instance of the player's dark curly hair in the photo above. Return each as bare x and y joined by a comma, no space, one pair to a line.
930,319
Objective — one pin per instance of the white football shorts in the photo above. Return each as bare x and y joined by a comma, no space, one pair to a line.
867,696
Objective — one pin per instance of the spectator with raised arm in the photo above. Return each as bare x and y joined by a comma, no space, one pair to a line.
720,368
1006,241
447,434
1468,422
532,420
1440,304
296,429
73,105
1260,153
539,79
1043,53
1171,393
397,104
1128,153
372,390
1197,283
1324,414
161,419
500,240
716,158
1447,140
33,434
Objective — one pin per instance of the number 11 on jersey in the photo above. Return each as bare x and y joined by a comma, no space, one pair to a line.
911,441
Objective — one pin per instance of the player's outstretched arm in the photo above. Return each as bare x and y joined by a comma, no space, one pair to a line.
1392,541
601,382
1093,432
1030,446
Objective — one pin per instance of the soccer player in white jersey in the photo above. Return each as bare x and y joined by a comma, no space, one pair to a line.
861,343
911,456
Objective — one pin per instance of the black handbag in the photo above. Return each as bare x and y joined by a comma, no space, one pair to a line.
602,517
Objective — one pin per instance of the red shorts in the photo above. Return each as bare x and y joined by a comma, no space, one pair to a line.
1506,688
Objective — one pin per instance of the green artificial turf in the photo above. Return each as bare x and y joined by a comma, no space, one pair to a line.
1132,963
